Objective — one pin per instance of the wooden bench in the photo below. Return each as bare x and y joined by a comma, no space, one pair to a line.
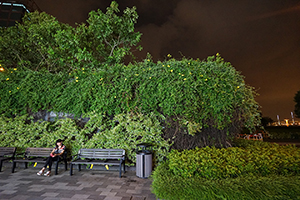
99,157
39,155
6,153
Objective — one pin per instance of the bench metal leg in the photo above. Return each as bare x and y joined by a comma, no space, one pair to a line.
56,167
79,167
1,165
13,167
120,171
26,165
66,165
71,169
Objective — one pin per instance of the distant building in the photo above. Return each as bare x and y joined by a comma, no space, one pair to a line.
13,11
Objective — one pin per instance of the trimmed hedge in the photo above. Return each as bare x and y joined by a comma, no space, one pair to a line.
279,132
237,142
213,163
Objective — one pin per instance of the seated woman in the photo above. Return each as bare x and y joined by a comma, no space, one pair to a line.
54,156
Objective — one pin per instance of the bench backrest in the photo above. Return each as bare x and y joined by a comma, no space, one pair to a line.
38,152
101,153
7,151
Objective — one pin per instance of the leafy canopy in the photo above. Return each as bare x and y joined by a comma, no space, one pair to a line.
43,43
199,93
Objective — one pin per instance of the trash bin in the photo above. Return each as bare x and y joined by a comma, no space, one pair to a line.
144,160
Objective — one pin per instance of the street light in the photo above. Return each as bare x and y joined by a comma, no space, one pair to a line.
287,122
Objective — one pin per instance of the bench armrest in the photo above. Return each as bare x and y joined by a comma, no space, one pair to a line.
74,156
20,154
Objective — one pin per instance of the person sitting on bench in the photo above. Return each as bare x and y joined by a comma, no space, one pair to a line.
54,156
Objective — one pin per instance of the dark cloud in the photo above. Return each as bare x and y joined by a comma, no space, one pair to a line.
151,11
260,38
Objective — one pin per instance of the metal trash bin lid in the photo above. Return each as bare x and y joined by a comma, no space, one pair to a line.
144,148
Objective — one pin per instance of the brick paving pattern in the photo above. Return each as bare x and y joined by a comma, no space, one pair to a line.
85,185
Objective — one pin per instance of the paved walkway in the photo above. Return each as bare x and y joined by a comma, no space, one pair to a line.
85,185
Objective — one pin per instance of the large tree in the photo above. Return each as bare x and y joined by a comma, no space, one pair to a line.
297,106
42,42
53,66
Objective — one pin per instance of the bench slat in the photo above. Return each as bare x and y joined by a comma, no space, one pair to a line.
35,159
7,151
38,152
103,162
101,153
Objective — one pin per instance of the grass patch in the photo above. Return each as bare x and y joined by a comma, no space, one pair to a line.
166,185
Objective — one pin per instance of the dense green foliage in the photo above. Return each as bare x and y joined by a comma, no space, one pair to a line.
166,185
124,131
43,43
199,93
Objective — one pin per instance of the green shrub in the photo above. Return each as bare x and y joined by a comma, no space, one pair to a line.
22,132
213,163
125,131
167,185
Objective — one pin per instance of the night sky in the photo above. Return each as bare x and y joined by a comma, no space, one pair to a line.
260,38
